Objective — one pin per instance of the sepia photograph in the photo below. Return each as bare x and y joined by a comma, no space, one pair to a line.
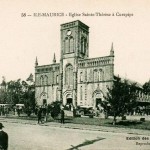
74,75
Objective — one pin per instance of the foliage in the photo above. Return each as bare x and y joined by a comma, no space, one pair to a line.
121,97
3,97
18,92
146,87
14,91
54,108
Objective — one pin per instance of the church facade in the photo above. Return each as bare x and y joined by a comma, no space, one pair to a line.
76,79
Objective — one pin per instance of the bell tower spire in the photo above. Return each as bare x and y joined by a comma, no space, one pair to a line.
54,59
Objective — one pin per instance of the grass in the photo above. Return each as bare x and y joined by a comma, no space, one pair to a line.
133,124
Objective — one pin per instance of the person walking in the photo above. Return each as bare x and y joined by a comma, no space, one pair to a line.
0,110
62,115
39,114
74,112
3,139
18,111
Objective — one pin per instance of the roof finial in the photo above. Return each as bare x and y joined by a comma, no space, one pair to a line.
112,50
54,59
36,62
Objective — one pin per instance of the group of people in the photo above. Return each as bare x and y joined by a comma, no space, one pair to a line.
3,110
4,135
41,114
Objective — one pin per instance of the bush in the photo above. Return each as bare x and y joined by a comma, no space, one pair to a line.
54,109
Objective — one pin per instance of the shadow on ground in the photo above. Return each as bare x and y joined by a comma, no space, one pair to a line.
87,142
67,120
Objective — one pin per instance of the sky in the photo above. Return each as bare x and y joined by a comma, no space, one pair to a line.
22,39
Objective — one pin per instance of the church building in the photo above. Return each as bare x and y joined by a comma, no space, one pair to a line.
76,79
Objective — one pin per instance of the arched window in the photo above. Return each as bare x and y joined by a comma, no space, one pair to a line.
51,77
90,75
45,80
95,75
83,45
69,75
56,79
66,45
81,93
41,80
71,44
57,94
81,77
101,75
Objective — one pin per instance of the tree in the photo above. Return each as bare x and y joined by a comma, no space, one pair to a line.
28,94
3,97
146,87
121,97
14,91
19,91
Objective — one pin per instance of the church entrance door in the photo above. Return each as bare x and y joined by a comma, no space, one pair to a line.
44,102
98,101
97,98
69,100
69,103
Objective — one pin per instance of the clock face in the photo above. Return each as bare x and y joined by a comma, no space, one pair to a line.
69,32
